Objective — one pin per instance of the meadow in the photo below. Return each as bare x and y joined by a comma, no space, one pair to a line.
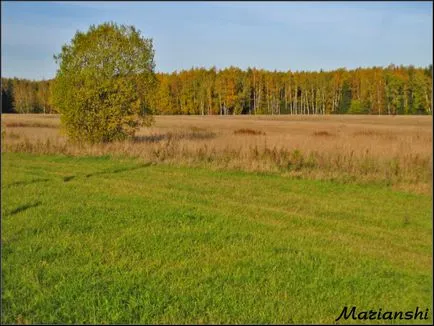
264,219
390,150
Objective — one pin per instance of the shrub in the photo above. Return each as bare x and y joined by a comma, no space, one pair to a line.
248,132
296,161
322,133
103,83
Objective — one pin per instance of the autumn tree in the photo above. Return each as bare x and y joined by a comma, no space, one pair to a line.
390,90
103,83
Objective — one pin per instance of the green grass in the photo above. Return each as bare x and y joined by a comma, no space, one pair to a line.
99,240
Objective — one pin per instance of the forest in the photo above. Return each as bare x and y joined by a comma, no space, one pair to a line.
199,91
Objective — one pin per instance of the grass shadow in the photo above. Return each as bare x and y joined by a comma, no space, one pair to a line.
24,207
118,170
68,178
149,138
25,183
189,135
30,124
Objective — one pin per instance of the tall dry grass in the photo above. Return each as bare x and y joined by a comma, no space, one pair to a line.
392,150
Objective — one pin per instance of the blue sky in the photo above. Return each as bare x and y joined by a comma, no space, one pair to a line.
273,35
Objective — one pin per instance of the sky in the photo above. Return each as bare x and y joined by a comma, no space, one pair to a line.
269,35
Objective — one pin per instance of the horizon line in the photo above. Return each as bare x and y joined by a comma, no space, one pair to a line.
257,69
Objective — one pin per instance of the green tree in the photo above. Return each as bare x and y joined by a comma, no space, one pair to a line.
357,107
7,95
345,101
103,83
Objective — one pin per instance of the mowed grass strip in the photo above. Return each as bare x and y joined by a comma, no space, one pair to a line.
99,240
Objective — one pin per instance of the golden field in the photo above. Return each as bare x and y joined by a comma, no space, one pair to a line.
396,150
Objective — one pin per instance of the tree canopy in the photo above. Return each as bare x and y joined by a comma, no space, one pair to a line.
103,83
377,90
389,90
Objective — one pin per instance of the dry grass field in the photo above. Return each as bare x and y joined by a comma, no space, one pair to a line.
396,150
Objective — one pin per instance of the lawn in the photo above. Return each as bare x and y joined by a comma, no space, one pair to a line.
103,240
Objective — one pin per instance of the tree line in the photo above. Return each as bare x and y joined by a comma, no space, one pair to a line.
26,96
377,90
